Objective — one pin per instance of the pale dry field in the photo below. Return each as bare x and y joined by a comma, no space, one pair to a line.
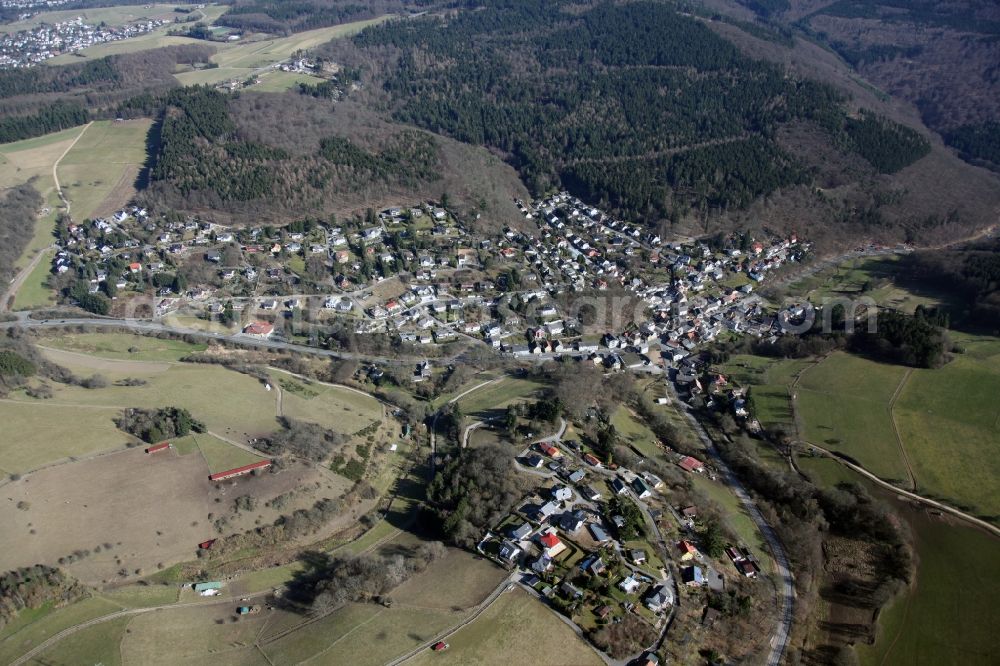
152,508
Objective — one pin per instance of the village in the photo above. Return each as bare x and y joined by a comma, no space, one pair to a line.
416,274
30,47
603,542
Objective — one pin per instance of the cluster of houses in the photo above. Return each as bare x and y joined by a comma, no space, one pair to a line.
574,531
509,290
30,47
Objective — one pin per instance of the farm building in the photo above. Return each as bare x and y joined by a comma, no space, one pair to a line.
239,471
689,464
259,329
162,446
211,585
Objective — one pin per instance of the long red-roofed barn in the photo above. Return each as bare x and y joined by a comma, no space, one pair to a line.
162,446
239,471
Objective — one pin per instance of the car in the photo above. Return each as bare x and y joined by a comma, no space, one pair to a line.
440,646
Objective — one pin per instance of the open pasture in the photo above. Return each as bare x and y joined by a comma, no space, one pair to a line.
209,632
40,433
843,404
98,174
123,346
153,509
500,634
492,399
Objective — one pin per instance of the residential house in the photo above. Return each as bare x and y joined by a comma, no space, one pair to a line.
660,599
630,584
687,550
551,544
693,576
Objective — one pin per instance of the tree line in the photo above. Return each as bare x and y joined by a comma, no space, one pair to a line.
20,206
29,588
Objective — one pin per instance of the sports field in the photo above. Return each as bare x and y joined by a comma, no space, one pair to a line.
98,174
499,636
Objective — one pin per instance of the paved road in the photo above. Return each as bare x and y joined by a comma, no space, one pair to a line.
786,590
149,326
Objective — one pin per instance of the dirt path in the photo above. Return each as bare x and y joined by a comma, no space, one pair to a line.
55,167
989,527
895,430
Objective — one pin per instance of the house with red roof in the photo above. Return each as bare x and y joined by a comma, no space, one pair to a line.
259,329
689,464
688,551
551,544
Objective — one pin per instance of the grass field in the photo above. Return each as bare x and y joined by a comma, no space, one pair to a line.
944,618
203,77
278,81
37,434
32,160
265,52
155,39
142,596
633,431
869,277
94,645
155,638
503,633
98,174
735,516
497,396
358,634
229,403
949,420
843,405
949,616
338,409
221,456
769,378
113,16
33,292
123,346
49,623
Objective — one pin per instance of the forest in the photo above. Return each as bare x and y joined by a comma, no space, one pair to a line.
980,143
971,275
632,106
156,425
51,118
203,157
33,587
473,492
